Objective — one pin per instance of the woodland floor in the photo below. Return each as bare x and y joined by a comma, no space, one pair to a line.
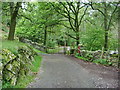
62,71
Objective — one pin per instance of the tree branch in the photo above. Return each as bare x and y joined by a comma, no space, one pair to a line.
65,26
68,12
69,17
70,36
25,17
83,15
90,22
82,6
91,4
57,10
73,6
112,16
70,4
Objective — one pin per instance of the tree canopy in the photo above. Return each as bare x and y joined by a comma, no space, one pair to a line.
54,23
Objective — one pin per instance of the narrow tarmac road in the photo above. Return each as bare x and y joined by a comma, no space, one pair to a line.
60,71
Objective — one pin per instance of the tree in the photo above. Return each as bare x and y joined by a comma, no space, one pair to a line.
40,22
71,11
107,18
13,13
48,18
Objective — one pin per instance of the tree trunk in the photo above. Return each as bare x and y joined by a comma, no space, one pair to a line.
12,28
13,20
77,27
106,40
77,38
105,28
119,36
45,38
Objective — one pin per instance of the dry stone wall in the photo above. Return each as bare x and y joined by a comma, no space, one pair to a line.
95,55
33,44
14,66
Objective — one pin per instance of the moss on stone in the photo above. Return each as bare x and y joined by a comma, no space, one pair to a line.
16,66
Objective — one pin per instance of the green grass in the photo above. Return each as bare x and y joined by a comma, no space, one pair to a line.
38,51
11,45
102,61
82,58
36,63
0,85
52,51
24,81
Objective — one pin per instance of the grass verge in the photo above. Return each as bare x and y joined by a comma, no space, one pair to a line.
11,45
36,63
38,51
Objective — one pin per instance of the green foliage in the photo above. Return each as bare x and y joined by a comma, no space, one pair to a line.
33,17
113,42
89,56
51,44
93,39
80,57
34,28
7,85
102,61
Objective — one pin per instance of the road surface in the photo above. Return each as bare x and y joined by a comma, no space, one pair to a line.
61,71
